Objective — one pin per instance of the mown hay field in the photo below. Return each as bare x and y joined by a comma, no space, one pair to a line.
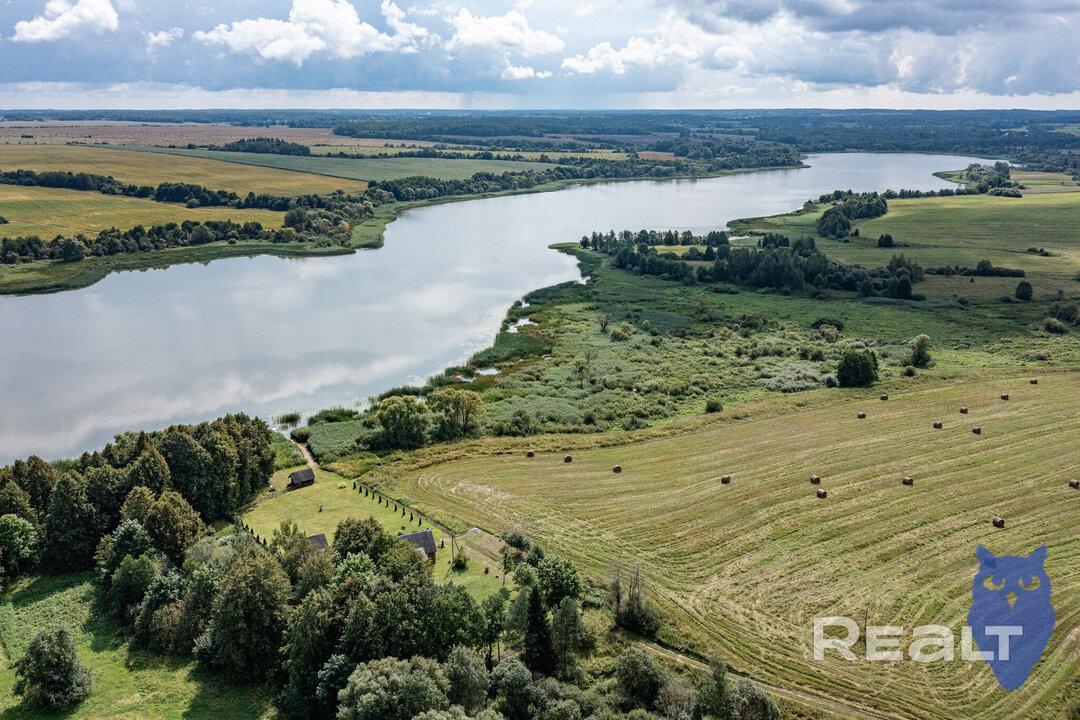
746,567
154,169
48,212
369,169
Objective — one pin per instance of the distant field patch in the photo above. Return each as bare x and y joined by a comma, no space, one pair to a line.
370,169
48,212
153,169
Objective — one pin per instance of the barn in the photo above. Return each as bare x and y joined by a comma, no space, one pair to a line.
301,478
423,541
319,541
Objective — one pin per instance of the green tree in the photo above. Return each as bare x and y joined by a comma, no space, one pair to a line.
920,351
404,421
457,412
315,572
309,643
18,543
454,618
494,609
249,614
537,655
38,478
71,250
468,679
1024,291
514,688
638,677
749,702
391,689
50,675
173,525
71,525
138,504
291,547
713,696
857,368
189,467
557,579
16,501
150,471
567,636
362,536
129,584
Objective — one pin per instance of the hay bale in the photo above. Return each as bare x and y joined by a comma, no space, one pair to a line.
963,411
725,479
568,459
1033,381
530,454
617,469
1074,484
862,416
908,480
977,430
822,493
884,397
999,522
1004,396
815,480
938,426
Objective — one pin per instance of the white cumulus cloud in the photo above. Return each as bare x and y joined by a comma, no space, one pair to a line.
165,38
61,18
314,26
509,32
638,52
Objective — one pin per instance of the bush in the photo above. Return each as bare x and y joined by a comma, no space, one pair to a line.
713,405
623,332
638,677
885,241
300,435
749,702
1053,325
461,561
920,352
50,675
857,368
909,371
1024,291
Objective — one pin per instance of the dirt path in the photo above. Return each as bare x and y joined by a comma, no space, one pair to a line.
304,451
835,707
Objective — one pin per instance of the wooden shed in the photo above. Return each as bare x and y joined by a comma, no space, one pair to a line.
423,541
301,478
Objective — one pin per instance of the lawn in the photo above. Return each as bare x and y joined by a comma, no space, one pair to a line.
129,684
368,169
48,212
153,169
746,567
320,507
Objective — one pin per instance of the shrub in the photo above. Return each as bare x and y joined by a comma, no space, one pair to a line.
920,351
623,332
461,561
288,419
638,677
713,405
1053,325
857,368
50,675
1024,291
300,435
885,241
749,701
909,371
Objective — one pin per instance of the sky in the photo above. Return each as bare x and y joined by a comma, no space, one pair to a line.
484,54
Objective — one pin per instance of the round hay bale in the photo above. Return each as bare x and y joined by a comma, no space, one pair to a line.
908,481
862,416
1004,396
530,454
568,459
963,411
815,480
617,469
977,430
999,522
1033,381
822,493
1074,484
938,426
884,397
725,479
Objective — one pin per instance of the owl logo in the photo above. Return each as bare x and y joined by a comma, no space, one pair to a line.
1011,617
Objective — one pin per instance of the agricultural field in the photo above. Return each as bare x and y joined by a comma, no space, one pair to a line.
320,507
129,684
373,169
747,566
154,169
48,212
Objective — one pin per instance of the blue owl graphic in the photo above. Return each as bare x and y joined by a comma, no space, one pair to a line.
1010,591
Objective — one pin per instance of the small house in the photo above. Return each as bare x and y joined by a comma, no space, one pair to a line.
319,541
423,541
301,478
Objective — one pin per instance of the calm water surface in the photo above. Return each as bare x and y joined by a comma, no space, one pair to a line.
266,335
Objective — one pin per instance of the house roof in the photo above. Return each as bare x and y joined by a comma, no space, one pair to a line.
422,539
319,541
305,475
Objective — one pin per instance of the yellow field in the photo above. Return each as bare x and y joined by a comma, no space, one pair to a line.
47,212
746,567
154,168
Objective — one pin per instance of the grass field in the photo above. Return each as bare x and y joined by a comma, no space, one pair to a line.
129,684
320,507
153,169
48,212
368,169
746,567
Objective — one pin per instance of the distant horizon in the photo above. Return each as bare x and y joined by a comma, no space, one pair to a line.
437,109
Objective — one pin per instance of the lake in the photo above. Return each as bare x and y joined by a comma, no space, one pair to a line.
264,335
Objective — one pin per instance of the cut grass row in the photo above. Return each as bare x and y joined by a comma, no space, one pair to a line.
746,567
152,169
